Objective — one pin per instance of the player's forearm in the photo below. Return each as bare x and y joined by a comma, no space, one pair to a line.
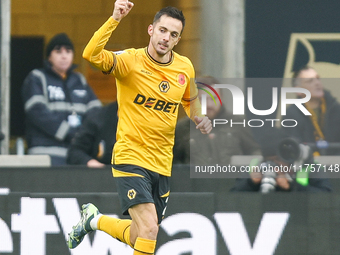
192,108
94,51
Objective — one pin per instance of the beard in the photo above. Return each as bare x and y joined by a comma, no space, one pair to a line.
162,48
161,52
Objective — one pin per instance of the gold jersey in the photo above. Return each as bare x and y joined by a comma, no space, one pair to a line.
149,94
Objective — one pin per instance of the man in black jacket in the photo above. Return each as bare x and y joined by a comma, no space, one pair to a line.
93,143
56,98
322,127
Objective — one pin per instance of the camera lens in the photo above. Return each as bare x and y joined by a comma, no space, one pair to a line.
289,150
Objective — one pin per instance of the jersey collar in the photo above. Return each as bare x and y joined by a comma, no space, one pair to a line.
157,62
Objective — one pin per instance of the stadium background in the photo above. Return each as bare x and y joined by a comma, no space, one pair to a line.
224,38
313,223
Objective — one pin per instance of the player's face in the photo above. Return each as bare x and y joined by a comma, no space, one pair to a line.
164,35
310,79
212,108
61,59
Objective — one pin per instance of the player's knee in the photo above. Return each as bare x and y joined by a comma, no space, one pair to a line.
150,231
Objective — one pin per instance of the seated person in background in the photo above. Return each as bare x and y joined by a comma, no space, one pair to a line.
269,181
223,142
56,98
93,143
323,124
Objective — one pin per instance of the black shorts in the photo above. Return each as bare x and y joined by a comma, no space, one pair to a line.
144,187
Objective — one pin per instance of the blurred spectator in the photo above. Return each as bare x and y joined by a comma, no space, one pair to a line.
263,180
322,127
223,142
93,143
55,100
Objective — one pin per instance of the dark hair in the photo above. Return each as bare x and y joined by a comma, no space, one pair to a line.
172,12
298,72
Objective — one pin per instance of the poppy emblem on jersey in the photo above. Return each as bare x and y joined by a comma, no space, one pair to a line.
181,79
164,86
131,194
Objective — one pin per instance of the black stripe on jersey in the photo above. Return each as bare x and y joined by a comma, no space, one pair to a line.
191,99
113,66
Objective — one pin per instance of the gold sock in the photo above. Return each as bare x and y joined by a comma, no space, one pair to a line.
144,246
117,228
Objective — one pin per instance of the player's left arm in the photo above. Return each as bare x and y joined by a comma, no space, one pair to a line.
192,104
203,124
193,109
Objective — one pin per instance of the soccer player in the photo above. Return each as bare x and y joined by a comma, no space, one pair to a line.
151,83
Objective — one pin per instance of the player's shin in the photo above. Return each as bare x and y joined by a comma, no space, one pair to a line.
117,228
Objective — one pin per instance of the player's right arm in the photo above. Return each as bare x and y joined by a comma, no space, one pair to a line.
94,51
121,9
